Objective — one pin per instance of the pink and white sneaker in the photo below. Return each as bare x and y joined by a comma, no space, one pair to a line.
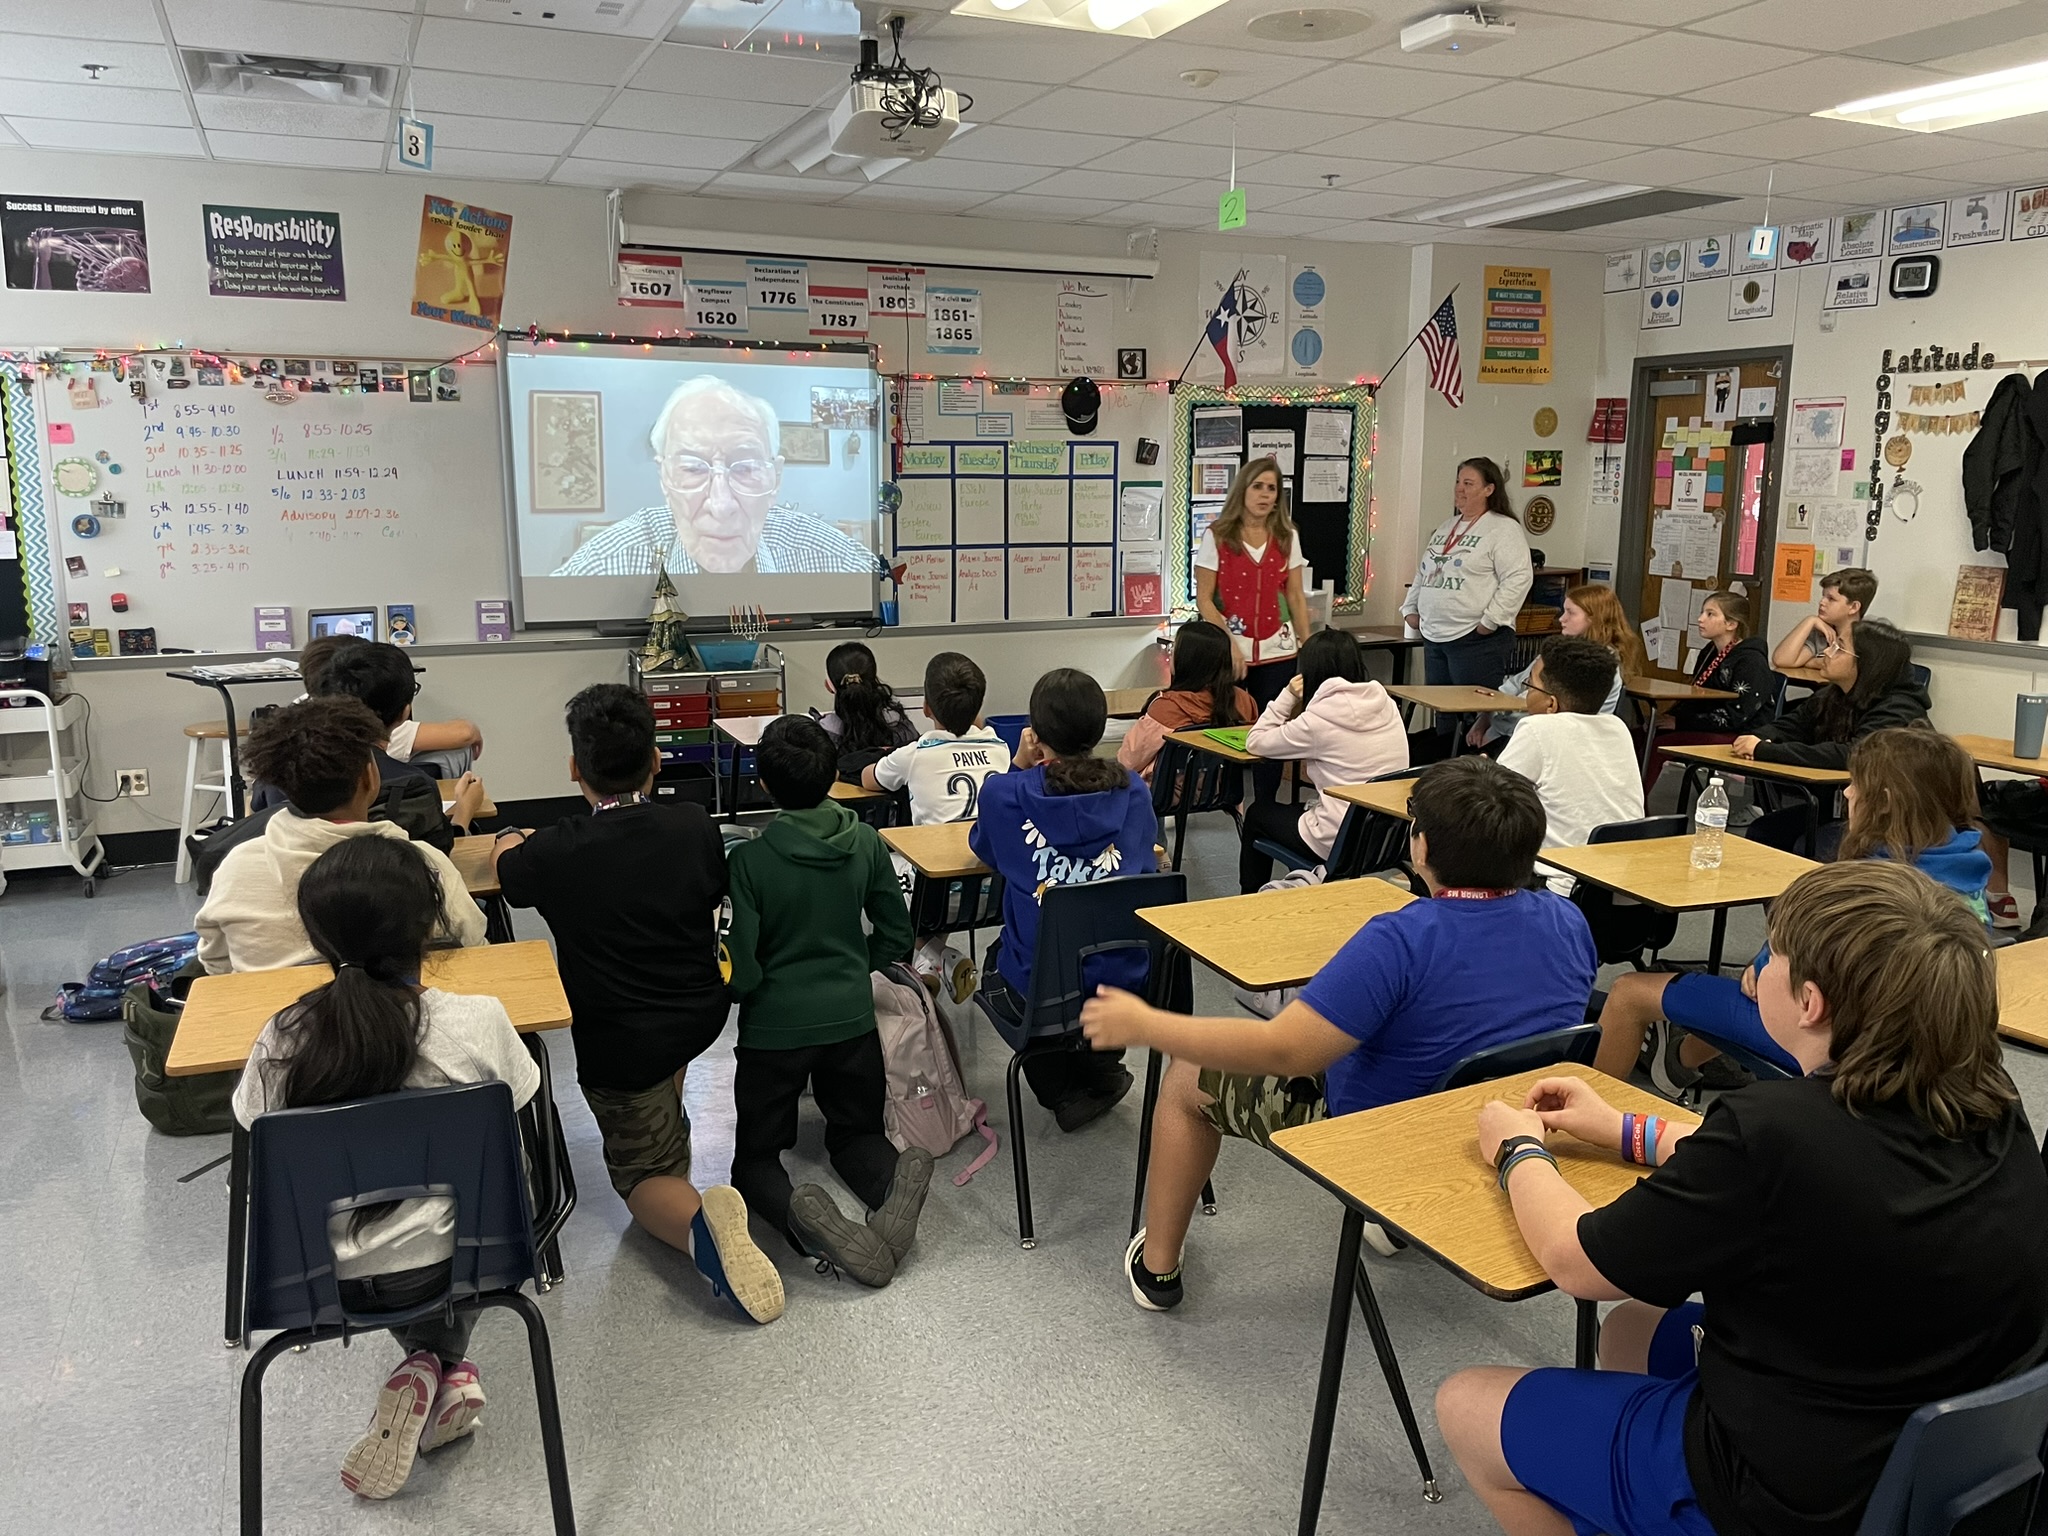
379,1463
456,1406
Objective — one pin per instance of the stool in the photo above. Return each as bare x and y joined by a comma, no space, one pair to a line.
216,732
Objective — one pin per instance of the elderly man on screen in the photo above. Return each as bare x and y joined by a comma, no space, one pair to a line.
718,449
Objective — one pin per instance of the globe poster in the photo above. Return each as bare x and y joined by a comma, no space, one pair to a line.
1516,345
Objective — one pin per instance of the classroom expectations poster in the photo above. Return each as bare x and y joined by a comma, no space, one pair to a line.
1516,348
462,257
273,253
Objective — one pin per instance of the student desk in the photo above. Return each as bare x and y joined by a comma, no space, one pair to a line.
1391,638
224,1015
1459,699
939,854
1415,1168
1388,797
1657,692
855,794
2023,993
222,680
1263,941
1996,752
1658,872
1199,738
1721,759
486,809
471,857
1128,703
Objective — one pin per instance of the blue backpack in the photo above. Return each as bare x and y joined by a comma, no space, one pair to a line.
152,963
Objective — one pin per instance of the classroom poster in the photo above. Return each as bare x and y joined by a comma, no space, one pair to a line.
272,253
1794,580
74,244
1516,346
1258,339
462,258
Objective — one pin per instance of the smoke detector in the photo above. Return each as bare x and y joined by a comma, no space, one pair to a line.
1200,79
1308,25
1461,32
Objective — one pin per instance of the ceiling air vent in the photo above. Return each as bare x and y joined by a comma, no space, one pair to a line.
277,77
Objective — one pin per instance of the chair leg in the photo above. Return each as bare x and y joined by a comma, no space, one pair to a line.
186,818
1180,838
1025,1236
1153,1064
545,1401
251,1427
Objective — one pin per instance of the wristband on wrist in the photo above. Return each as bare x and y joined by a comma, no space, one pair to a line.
1654,1129
1524,1154
518,832
1509,1144
1628,1138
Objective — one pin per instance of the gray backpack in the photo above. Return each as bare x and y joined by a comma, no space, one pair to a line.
927,1104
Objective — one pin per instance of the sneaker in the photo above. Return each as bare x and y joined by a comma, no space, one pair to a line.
931,979
959,973
1379,1242
1155,1293
1086,1108
2005,910
456,1406
824,1231
1672,1077
895,1220
1721,1075
377,1465
729,1258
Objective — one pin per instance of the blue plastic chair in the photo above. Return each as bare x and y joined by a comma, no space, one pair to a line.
1575,1042
1962,1456
306,1165
1366,841
1187,783
1623,930
1087,934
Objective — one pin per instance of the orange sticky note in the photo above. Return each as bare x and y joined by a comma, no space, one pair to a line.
1713,498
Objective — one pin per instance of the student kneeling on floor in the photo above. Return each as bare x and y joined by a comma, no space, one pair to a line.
1410,995
1866,1238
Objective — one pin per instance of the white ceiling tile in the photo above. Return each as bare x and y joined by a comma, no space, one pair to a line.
2013,133
131,21
1155,70
505,135
120,138
1024,205
664,112
301,31
1665,122
1169,157
619,173
950,174
1677,57
662,149
499,165
1434,183
1107,186
2003,170
1308,169
1165,215
1105,112
781,189
524,52
730,76
1895,191
1538,153
107,103
243,114
1668,167
1541,42
1363,90
1002,50
1289,224
886,194
1257,128
275,149
1651,13
1527,105
1787,176
1813,86
1340,204
1839,28
1795,137
62,59
1031,146
991,99
436,90
1203,194
1412,141
1223,30
1908,153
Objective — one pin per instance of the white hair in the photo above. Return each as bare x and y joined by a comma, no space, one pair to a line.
706,384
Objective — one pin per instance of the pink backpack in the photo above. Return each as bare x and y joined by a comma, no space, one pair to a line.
927,1104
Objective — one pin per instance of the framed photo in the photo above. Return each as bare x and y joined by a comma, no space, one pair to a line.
565,431
360,622
806,442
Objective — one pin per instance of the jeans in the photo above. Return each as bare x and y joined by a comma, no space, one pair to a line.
436,1333
847,1080
1275,823
1475,660
1056,1077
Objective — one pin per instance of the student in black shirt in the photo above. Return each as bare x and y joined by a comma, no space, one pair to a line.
1867,1238
631,894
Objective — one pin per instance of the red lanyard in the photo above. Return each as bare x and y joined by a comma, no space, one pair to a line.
1713,666
1470,893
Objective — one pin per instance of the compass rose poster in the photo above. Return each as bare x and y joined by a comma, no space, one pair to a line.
1516,346
1258,332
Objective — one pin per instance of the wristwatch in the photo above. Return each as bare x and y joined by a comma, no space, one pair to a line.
1501,1153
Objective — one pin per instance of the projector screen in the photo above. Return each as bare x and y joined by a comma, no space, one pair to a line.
751,473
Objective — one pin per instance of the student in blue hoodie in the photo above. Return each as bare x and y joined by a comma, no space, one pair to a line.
1912,797
1060,816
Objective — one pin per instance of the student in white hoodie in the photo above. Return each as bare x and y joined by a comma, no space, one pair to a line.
1344,729
322,754
1469,586
1582,762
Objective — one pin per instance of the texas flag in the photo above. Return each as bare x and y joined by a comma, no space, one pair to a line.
1218,332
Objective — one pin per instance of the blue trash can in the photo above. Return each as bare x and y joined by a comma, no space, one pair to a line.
1010,728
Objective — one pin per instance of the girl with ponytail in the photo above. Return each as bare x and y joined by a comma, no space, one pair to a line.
866,722
369,906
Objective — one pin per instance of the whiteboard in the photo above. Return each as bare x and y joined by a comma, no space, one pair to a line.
234,501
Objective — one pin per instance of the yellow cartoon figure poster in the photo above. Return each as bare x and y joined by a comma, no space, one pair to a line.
461,276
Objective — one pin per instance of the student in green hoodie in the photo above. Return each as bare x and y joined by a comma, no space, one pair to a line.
800,964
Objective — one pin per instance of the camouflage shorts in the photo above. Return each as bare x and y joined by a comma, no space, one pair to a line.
645,1132
1255,1107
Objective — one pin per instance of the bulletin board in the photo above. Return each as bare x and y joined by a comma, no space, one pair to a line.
990,531
1329,491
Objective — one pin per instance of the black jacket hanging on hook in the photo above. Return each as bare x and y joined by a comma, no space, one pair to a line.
1995,465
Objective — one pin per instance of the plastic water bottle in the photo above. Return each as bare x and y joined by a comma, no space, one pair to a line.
1709,825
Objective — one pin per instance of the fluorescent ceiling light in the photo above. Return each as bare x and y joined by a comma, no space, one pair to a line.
1120,18
1598,193
1485,209
1438,212
1953,103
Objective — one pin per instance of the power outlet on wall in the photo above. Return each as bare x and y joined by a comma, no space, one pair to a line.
131,781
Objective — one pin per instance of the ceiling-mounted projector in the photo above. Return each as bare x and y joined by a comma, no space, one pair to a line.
1460,32
879,119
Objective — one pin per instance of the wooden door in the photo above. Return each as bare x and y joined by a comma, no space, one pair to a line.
1699,482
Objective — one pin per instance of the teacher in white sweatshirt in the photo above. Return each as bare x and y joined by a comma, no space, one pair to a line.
1474,574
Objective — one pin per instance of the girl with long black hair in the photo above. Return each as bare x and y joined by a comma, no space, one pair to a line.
369,905
1202,692
866,722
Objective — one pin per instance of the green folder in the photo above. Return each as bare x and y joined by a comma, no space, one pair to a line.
1230,736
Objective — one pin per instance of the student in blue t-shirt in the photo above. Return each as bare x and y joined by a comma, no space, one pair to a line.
1483,962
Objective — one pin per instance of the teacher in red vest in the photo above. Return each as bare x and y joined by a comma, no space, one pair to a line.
1248,582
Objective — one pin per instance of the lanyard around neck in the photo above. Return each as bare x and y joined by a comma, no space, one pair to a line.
1471,893
617,802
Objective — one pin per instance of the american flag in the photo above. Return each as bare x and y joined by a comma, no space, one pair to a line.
1218,331
1439,339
